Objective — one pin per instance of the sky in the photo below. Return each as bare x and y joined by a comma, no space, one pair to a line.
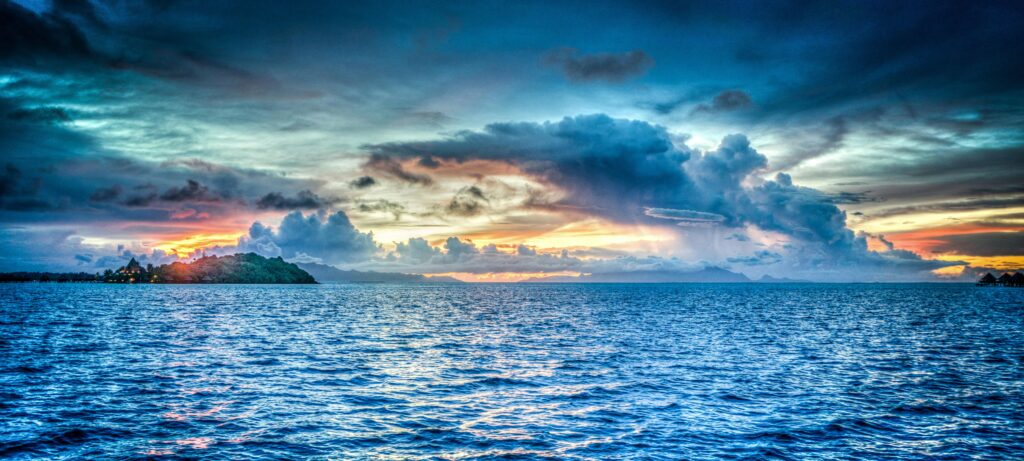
498,141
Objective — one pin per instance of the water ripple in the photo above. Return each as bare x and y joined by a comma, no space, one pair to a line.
452,372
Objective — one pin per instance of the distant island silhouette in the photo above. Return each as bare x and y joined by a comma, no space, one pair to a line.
330,274
1006,280
235,269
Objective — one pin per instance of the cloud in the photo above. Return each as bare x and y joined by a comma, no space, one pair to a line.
192,191
468,201
953,206
363,182
759,258
25,249
106,194
726,101
982,244
304,200
392,167
382,206
629,171
815,142
31,39
331,238
19,192
597,161
40,115
685,217
609,67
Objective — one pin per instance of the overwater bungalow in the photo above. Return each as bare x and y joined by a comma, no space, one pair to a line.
1006,280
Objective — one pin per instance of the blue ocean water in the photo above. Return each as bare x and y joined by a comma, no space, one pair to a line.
502,371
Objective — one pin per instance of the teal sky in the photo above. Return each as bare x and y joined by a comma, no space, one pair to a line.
860,140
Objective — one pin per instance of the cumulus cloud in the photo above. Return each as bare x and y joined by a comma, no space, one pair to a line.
331,238
609,67
628,171
459,255
23,249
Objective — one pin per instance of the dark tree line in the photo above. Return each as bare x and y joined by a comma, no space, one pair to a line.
238,268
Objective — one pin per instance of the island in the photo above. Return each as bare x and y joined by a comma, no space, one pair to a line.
235,269
330,274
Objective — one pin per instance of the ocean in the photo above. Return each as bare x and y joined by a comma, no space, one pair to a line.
511,371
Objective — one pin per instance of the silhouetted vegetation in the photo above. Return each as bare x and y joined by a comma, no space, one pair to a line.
49,277
239,268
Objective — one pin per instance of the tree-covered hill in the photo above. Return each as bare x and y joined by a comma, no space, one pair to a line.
238,268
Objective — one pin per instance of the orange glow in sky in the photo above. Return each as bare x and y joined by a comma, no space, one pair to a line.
503,276
187,245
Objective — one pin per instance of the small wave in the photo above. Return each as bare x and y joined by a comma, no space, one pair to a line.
27,369
925,410
60,438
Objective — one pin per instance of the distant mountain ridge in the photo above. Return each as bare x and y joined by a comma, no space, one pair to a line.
330,274
770,279
706,275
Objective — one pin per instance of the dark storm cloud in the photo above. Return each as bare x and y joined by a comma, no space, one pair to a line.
983,244
51,173
387,165
148,194
824,139
631,171
71,35
106,194
726,101
40,115
427,161
855,52
363,182
142,195
468,201
30,39
849,198
21,193
11,181
953,206
192,191
304,200
609,67
597,159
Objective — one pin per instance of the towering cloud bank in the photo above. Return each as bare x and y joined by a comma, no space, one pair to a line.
631,171
317,237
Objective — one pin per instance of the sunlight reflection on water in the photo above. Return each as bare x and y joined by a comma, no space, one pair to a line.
515,371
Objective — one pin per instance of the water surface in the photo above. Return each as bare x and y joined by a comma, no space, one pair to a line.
499,371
